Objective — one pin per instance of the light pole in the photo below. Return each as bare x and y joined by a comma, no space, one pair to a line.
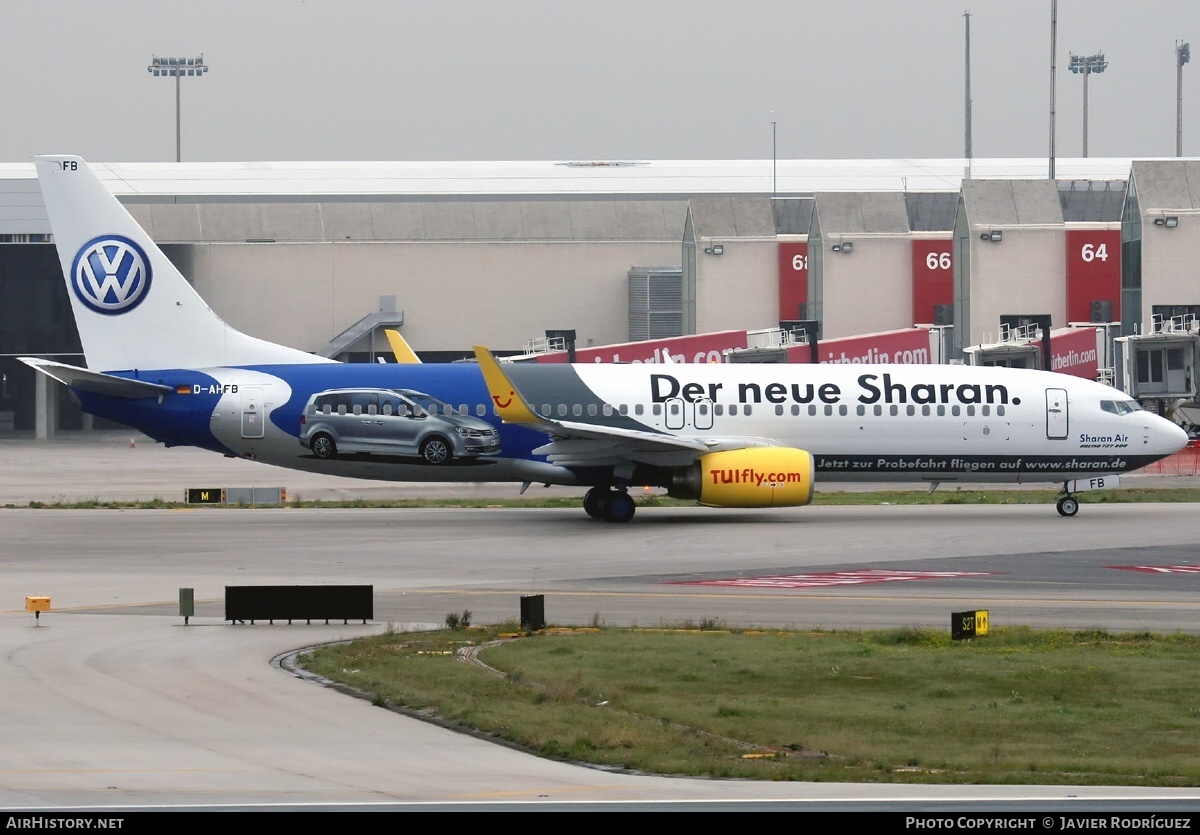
773,158
1183,54
1087,64
967,108
177,68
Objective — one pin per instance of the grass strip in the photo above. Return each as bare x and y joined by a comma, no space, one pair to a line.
1019,706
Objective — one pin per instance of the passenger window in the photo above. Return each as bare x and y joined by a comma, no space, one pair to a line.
480,410
843,410
623,409
718,410
1000,411
328,409
812,410
779,411
955,410
387,407
828,410
911,410
639,409
657,410
576,410
746,409
970,411
795,410
985,410
608,410
941,411
925,410
591,410
341,408
372,409
732,409
893,410
878,410
562,409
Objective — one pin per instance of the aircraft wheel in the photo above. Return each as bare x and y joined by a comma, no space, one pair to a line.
436,450
323,446
618,506
1068,506
593,502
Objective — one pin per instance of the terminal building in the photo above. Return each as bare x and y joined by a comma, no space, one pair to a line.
989,257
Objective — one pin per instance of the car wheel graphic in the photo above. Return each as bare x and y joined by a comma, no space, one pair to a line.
436,450
322,446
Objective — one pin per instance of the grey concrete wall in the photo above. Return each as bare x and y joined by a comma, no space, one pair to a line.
453,294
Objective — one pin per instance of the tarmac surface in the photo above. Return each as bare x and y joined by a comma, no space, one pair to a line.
128,466
115,703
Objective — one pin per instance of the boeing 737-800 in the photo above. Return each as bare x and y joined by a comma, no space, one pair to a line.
727,435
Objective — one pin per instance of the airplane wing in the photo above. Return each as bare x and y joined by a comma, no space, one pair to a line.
94,381
588,445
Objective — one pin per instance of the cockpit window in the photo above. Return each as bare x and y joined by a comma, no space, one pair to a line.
1120,407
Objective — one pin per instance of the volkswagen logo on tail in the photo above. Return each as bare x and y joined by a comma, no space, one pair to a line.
111,274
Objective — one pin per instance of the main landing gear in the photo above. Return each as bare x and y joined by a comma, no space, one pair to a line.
609,504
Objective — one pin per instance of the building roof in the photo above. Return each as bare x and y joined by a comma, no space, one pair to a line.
862,213
1013,203
1161,185
467,220
21,209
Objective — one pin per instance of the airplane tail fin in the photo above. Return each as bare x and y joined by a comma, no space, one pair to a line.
404,354
510,403
133,308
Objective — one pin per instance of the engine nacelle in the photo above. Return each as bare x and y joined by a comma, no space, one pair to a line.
756,477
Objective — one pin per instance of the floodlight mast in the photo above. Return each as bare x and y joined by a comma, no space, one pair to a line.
1086,65
1183,54
177,68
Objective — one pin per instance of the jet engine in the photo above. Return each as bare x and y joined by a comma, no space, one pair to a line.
754,477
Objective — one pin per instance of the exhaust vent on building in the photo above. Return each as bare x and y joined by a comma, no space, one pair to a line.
655,303
1101,311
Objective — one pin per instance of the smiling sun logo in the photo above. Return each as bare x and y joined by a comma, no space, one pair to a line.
506,403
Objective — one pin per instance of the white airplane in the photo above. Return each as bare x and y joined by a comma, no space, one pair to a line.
727,435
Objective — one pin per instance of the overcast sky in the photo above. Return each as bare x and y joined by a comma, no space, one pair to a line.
595,80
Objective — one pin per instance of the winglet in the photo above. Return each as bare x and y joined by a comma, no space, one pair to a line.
404,354
510,405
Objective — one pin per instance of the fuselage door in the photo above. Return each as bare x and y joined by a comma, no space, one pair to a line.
1056,414
253,419
703,419
673,411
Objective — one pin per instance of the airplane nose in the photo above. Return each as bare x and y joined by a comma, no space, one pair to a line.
1170,436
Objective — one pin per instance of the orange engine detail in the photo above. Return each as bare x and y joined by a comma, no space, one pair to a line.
757,477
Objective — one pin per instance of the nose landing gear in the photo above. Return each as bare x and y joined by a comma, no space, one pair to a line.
1067,505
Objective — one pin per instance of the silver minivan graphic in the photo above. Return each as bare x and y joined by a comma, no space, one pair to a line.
392,422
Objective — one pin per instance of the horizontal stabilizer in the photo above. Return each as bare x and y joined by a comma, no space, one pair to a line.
94,381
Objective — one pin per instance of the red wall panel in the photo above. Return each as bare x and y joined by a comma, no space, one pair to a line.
793,279
932,278
1093,272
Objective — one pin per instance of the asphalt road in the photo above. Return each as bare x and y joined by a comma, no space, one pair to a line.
114,702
